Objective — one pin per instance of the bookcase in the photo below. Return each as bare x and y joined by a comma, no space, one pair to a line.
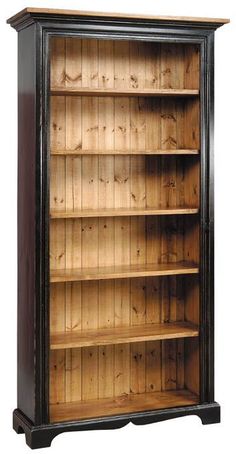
115,217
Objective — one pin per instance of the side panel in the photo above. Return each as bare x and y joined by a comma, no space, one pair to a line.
207,220
26,220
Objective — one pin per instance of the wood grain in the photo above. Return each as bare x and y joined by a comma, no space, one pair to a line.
130,403
124,230
123,92
75,152
66,12
111,212
123,335
123,271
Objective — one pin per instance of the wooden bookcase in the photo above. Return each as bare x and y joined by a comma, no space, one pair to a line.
115,221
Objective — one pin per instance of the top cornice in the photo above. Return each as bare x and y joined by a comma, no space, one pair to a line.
30,15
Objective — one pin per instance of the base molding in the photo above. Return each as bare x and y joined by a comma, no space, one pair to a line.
42,436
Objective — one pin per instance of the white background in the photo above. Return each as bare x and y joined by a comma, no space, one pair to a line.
179,435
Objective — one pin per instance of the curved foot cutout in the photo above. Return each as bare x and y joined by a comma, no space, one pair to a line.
18,429
41,436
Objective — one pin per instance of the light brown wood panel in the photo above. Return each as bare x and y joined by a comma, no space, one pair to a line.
57,359
122,225
76,152
153,192
152,65
164,64
168,230
191,124
123,272
192,66
57,62
182,114
168,197
130,403
73,357
122,335
106,225
105,195
137,200
115,212
90,386
123,92
73,63
69,12
171,66
192,359
73,297
164,184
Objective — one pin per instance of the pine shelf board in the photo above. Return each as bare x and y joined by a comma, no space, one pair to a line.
111,212
81,152
58,91
127,403
123,271
123,335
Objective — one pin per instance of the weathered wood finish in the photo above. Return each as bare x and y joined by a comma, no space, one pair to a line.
129,403
159,92
123,271
141,156
67,12
124,335
108,212
117,241
79,151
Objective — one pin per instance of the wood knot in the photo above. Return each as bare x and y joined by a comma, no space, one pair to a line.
166,71
168,117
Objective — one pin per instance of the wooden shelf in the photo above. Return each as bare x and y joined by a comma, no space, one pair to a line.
80,152
127,403
111,212
123,92
123,335
123,271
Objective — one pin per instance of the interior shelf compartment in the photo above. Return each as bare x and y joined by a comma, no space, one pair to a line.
58,91
123,271
127,403
124,227
123,335
111,212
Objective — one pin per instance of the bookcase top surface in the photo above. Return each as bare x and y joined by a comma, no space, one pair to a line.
47,12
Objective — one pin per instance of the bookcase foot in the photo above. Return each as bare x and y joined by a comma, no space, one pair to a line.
42,436
211,414
36,437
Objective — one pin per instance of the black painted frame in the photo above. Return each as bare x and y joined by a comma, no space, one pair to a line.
39,432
